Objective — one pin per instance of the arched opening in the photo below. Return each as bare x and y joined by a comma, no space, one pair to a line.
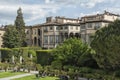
77,35
66,35
35,40
71,34
62,37
39,42
39,32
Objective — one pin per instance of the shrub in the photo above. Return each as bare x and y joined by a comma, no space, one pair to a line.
86,70
44,57
5,54
117,73
56,65
32,52
39,67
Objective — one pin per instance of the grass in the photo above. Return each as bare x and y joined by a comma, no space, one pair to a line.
8,74
33,77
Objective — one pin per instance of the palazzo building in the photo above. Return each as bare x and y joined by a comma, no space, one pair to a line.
53,32
57,29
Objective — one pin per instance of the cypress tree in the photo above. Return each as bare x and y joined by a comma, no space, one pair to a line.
20,26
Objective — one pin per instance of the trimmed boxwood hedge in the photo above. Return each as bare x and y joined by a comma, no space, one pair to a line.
44,57
5,54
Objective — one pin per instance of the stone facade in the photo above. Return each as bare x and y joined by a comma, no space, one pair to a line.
54,31
2,31
89,24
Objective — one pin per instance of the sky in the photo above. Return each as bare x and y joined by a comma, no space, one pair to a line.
36,11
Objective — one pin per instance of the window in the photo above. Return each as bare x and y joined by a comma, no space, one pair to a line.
45,39
61,28
71,34
66,35
90,18
97,26
45,29
27,32
76,27
39,42
83,36
89,25
57,27
82,26
39,32
113,17
66,27
51,28
77,35
51,38
71,27
35,31
35,40
57,39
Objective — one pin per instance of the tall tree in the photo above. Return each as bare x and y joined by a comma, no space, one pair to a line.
11,37
20,26
106,43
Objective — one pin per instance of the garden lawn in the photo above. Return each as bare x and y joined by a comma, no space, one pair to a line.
33,77
8,74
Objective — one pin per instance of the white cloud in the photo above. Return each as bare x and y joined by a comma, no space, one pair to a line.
82,3
87,14
31,12
115,10
37,11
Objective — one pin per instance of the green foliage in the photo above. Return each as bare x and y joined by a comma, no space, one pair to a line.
25,51
39,67
20,26
11,37
5,54
85,70
117,73
32,52
5,66
73,52
56,65
106,44
44,57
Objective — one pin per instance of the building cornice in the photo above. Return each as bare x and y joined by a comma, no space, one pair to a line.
55,24
96,21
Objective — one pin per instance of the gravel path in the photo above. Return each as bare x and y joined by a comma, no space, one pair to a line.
19,76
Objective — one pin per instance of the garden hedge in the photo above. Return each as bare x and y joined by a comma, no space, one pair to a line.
5,54
44,57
